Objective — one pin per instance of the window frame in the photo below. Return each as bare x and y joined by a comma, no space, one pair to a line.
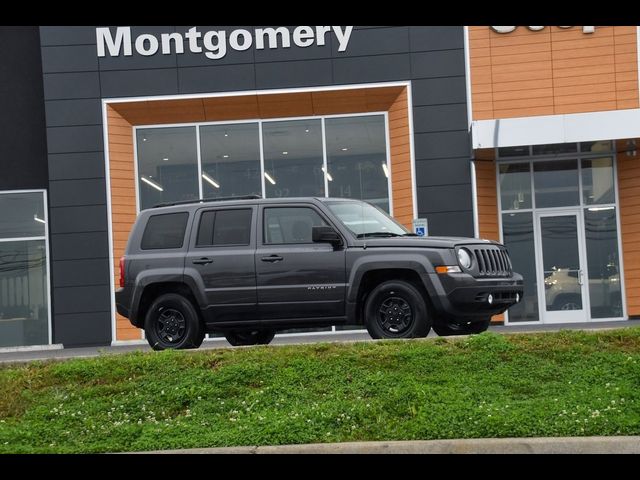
263,242
198,220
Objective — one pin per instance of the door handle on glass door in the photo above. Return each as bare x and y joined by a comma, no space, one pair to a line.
580,280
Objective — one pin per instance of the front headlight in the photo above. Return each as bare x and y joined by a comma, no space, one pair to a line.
464,257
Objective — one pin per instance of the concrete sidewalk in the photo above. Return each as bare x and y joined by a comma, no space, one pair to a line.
59,353
563,445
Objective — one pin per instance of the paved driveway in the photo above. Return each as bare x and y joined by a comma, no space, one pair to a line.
59,353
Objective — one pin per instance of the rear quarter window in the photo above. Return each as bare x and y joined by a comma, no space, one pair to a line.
165,231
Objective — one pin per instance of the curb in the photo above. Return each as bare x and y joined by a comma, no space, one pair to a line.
560,445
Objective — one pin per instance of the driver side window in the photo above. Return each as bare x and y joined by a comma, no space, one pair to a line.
283,226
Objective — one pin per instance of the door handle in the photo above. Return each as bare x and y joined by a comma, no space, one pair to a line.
272,259
580,280
203,261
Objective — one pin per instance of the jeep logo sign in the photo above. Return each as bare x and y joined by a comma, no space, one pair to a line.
537,29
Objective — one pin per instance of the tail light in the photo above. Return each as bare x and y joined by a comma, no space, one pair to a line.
122,271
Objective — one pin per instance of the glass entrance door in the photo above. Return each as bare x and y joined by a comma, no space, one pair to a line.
561,272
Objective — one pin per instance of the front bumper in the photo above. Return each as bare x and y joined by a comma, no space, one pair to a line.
461,297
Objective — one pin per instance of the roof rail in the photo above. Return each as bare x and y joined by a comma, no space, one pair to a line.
208,200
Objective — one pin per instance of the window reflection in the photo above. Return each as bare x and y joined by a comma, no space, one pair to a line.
293,158
597,181
515,186
603,262
556,183
357,159
519,240
167,165
230,160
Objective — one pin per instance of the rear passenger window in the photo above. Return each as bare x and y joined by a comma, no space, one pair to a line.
165,231
225,228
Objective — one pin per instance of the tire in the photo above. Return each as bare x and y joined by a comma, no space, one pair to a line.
173,323
472,329
250,337
396,309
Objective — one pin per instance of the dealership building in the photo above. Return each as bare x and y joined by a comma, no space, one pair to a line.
525,135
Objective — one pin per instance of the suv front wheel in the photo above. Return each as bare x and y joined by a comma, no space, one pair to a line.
172,323
396,309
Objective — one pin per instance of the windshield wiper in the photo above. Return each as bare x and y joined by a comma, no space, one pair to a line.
379,235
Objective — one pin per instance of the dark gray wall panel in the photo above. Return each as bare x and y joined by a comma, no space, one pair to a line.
83,329
439,91
69,193
70,166
131,83
82,299
222,78
75,246
381,68
81,273
70,35
308,73
23,147
59,86
75,139
443,171
448,63
442,145
78,219
63,113
424,39
456,224
71,58
440,118
445,198
383,41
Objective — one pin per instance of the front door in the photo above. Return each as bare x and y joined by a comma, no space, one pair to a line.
296,278
561,273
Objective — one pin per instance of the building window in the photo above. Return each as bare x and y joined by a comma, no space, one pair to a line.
357,159
293,159
338,156
24,287
230,160
167,165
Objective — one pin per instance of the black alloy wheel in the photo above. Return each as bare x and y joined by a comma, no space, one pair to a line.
173,323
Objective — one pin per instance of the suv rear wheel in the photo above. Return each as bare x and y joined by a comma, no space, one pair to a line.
250,337
172,323
396,309
457,329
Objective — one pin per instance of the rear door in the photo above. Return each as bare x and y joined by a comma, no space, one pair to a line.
221,258
296,277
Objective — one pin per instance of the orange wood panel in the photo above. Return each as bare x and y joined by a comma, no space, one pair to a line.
628,184
553,71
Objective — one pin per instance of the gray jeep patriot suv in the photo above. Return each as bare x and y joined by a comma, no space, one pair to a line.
248,267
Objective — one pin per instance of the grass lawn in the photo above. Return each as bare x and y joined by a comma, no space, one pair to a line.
551,384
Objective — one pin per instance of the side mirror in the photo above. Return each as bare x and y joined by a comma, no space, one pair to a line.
326,235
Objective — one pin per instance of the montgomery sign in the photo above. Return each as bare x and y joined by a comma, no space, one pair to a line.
216,43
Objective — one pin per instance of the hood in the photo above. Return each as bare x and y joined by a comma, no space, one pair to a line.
424,242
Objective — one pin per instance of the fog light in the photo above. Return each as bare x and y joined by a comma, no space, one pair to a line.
517,298
490,299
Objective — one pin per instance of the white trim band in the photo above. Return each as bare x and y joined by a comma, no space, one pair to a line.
549,129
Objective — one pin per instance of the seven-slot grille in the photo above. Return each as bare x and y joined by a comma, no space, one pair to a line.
492,262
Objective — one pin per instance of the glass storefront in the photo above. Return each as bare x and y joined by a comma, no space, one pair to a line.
342,156
559,222
24,304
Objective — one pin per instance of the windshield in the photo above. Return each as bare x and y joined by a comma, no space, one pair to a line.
365,220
